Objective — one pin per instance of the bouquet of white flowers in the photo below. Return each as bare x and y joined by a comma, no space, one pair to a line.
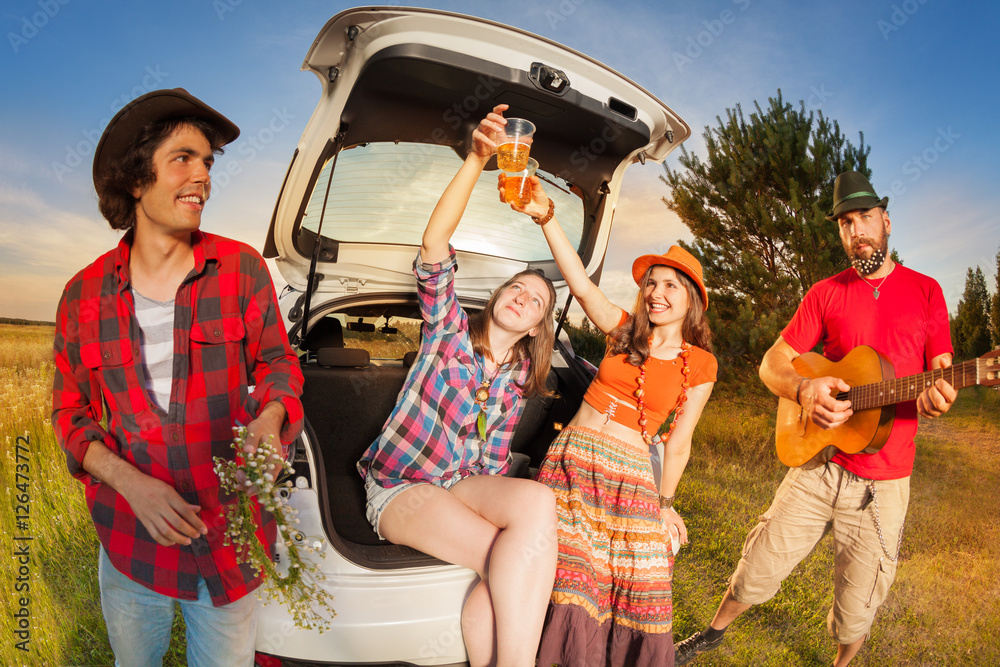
308,603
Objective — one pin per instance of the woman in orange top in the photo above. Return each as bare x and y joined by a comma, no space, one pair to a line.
612,588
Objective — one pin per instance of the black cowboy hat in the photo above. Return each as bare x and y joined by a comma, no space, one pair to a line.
154,107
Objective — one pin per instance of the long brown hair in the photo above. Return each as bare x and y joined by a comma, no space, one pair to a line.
632,337
537,348
135,169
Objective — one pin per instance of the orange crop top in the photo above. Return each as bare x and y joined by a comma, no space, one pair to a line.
616,383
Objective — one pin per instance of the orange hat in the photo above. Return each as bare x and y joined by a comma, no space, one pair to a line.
677,258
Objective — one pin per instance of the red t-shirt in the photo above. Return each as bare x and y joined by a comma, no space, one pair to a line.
908,323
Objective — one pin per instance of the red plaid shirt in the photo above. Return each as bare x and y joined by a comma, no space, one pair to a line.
231,357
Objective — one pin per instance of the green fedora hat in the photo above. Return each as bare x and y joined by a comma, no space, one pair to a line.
852,191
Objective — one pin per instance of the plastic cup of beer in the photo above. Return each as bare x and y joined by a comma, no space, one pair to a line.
513,148
517,184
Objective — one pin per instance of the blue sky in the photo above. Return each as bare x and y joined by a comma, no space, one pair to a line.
917,77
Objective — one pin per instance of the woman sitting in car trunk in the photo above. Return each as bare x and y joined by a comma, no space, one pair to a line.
612,589
434,478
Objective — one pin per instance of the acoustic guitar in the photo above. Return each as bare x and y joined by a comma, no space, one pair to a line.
874,393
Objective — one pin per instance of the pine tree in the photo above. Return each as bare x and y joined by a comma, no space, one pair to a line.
757,207
995,309
587,340
970,334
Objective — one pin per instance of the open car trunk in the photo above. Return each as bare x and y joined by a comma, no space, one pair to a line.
402,91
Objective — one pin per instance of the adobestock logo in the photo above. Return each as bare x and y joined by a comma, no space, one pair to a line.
38,20
564,10
470,106
585,155
898,17
250,146
920,163
704,39
223,7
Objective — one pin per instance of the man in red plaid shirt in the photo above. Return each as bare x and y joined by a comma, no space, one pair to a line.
162,346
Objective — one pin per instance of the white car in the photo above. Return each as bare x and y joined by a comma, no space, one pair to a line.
402,91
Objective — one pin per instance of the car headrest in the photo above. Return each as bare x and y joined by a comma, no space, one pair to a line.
342,357
328,332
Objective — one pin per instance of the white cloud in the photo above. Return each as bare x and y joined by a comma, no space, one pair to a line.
12,163
41,248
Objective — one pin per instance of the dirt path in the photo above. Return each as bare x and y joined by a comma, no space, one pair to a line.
976,425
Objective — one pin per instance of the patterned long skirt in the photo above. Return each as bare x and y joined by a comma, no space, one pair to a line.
611,604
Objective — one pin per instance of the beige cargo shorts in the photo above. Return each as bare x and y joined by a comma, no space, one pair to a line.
807,505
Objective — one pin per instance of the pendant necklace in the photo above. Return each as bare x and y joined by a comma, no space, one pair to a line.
875,290
483,394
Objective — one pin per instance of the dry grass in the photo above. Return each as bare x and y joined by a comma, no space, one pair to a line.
25,346
65,625
947,596
944,608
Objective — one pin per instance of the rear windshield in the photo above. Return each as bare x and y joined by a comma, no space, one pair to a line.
385,192
384,338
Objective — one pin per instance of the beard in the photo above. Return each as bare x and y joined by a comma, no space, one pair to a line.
868,266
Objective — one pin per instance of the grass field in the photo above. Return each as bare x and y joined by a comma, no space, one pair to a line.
63,601
944,608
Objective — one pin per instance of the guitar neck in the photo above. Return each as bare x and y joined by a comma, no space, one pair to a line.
899,390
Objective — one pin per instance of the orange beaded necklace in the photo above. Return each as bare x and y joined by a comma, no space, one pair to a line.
640,392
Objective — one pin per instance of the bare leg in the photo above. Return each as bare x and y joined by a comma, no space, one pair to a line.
729,609
434,521
522,563
846,653
502,528
479,626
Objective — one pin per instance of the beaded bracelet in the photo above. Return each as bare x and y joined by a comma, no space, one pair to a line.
548,216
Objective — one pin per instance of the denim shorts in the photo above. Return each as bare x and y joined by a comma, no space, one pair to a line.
808,505
379,497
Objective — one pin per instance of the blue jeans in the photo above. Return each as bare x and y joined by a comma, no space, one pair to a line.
139,622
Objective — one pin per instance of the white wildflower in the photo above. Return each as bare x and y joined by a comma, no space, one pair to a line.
308,603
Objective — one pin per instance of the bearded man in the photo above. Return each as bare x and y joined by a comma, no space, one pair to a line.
862,498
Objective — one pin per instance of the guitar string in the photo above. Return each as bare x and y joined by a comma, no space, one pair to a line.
909,388
906,388
981,370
